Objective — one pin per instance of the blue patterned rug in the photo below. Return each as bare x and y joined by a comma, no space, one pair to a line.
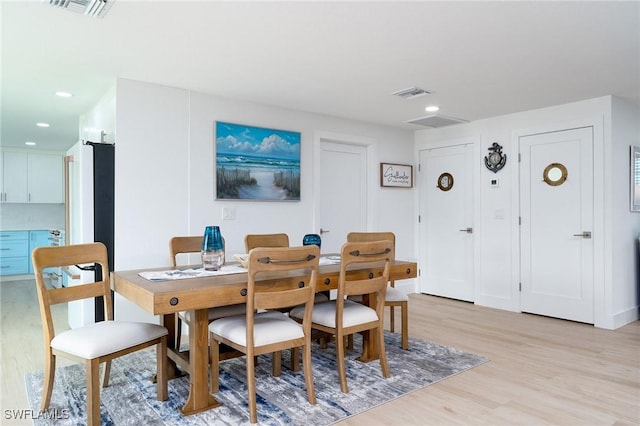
130,398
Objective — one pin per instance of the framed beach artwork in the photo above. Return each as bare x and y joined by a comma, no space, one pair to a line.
256,163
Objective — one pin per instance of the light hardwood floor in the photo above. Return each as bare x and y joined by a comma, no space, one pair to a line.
541,370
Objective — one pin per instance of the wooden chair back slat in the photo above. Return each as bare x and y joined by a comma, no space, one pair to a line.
252,241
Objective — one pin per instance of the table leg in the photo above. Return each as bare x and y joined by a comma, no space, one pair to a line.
369,347
199,398
169,322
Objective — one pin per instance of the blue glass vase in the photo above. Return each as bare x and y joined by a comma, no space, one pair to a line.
212,249
311,239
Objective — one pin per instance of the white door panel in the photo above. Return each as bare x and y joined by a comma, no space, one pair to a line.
343,193
446,246
556,259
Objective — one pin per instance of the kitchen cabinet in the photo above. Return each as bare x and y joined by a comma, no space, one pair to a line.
37,239
16,248
14,252
32,178
14,177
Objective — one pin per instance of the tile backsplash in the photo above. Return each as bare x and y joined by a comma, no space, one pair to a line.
15,217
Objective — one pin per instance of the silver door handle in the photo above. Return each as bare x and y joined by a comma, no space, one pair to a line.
467,230
586,235
323,231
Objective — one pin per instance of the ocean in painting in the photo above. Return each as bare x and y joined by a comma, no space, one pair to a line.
257,178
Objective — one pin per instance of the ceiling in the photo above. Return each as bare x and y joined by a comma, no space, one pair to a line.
479,59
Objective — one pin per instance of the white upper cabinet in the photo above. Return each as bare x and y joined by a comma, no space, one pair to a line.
45,178
14,177
32,178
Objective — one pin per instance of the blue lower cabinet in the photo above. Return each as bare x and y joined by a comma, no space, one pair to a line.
14,252
37,239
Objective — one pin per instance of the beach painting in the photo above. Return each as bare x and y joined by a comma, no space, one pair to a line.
256,163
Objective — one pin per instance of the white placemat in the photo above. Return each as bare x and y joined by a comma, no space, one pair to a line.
329,260
178,274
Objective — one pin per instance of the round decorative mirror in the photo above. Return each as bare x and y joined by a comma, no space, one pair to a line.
555,174
445,181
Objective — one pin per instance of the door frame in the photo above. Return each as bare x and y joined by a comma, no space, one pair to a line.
372,161
475,142
602,294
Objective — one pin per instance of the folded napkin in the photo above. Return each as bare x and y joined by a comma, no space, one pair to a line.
177,274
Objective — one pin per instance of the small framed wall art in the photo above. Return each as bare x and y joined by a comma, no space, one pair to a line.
396,175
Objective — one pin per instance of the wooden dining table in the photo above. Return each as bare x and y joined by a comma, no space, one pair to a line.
198,294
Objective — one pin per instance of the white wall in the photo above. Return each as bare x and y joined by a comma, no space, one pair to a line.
165,175
497,255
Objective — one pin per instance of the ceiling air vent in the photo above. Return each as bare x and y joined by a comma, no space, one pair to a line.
95,8
436,120
411,92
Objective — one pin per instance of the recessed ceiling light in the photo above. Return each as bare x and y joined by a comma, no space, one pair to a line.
42,124
30,143
64,94
432,108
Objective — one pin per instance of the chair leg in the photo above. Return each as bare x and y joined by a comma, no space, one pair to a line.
341,363
392,319
106,373
178,331
93,392
295,359
251,388
214,354
47,387
308,373
404,310
161,370
350,342
276,364
381,351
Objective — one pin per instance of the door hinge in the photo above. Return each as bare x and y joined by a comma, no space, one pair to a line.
419,167
419,219
519,157
520,287
519,220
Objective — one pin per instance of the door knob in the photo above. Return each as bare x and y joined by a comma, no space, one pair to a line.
467,230
586,235
323,231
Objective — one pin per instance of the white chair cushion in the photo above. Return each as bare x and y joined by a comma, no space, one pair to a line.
219,312
395,295
269,327
105,337
392,295
325,314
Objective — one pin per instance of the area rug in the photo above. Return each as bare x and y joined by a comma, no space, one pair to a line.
130,398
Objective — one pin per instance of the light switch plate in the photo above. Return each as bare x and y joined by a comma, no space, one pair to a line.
228,213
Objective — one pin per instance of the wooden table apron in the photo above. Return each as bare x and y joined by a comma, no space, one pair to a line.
165,298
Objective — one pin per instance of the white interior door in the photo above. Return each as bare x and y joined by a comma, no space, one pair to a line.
557,221
446,222
343,193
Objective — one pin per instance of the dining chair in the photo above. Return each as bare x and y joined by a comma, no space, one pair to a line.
342,317
264,329
394,297
252,241
95,343
186,245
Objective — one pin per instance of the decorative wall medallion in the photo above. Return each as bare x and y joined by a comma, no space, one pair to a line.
555,174
495,159
445,181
